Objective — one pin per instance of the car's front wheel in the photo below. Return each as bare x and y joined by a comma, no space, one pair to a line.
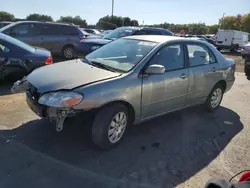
215,97
109,125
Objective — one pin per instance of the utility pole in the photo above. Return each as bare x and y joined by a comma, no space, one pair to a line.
112,13
222,20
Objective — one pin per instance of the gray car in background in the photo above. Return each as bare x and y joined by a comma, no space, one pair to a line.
131,80
60,39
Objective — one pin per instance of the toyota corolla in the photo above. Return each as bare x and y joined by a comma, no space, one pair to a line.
129,81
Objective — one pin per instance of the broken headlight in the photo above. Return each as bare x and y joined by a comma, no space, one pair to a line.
61,99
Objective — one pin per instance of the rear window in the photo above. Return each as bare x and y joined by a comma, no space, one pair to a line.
68,30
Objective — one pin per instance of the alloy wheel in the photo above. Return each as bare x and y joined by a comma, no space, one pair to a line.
117,127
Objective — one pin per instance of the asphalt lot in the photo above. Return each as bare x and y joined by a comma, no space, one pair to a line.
181,149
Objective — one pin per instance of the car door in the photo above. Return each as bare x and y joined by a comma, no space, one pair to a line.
168,91
10,61
204,72
25,32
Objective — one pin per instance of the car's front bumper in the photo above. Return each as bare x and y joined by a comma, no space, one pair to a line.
56,115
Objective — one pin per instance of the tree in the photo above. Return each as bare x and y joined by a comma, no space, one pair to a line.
5,16
39,17
77,20
229,22
245,22
213,29
108,22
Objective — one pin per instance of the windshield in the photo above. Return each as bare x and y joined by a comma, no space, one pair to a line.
122,54
18,43
119,32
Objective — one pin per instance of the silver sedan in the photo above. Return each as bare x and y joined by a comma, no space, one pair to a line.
129,81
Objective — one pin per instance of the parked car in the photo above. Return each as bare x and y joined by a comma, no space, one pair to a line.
18,59
231,39
89,45
61,39
210,40
106,32
247,67
131,80
245,52
4,23
93,31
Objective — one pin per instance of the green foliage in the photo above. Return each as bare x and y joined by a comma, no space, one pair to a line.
39,17
5,16
77,20
109,22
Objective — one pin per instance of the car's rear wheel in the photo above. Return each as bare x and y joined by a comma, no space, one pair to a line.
68,52
215,97
109,125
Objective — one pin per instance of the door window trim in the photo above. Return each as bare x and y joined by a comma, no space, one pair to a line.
165,45
201,45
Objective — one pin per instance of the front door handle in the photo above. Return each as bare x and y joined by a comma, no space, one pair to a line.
183,76
213,69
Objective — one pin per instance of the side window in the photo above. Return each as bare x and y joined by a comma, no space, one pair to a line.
68,30
148,32
22,30
171,57
47,29
199,55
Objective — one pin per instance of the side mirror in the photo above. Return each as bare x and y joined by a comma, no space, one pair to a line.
155,69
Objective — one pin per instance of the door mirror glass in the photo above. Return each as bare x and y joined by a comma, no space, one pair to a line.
155,69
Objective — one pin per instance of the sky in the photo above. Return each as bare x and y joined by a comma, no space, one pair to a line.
149,11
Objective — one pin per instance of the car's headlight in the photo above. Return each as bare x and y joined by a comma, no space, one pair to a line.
62,99
95,47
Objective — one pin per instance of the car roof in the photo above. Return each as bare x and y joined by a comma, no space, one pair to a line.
160,38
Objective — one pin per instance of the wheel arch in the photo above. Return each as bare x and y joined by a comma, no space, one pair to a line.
131,110
223,83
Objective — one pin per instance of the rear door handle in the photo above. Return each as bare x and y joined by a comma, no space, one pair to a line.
183,76
213,69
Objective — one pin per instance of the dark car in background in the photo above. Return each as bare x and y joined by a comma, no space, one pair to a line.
247,67
59,38
210,40
89,45
18,59
93,31
4,23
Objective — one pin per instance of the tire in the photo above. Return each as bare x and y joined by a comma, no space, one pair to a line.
68,52
105,121
210,104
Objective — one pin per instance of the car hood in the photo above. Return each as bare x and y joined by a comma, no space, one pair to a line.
248,44
100,41
67,75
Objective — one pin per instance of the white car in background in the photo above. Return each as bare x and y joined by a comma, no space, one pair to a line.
231,39
245,52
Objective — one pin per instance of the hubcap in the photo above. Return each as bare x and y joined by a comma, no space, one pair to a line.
68,53
117,127
216,97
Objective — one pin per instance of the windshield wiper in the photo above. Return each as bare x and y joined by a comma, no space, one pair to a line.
100,65
97,64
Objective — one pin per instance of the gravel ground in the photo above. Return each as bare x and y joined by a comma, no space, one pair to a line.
182,149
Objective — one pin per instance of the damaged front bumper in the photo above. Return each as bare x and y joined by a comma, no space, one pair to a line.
55,115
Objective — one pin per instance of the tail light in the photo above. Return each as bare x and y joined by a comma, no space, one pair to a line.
82,37
48,61
245,177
